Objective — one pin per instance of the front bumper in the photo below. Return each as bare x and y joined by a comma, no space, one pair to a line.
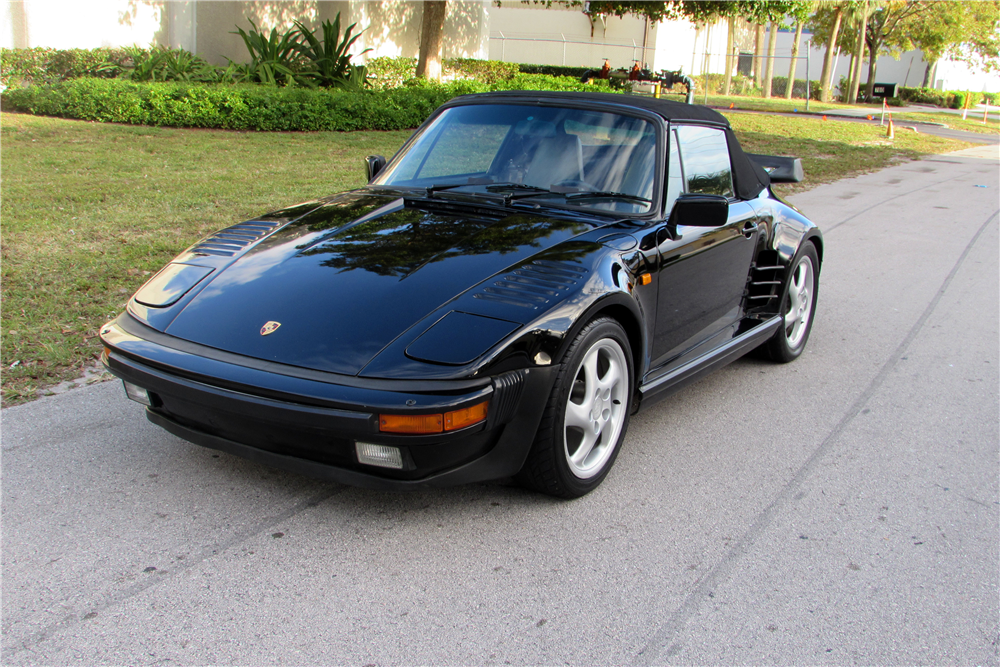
308,422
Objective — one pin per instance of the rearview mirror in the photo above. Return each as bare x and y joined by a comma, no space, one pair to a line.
374,164
700,211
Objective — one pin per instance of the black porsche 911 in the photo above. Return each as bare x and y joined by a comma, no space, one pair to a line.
528,271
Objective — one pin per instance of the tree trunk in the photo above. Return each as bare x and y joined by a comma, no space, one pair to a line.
872,64
730,40
772,44
929,73
758,54
795,55
431,33
831,49
859,55
850,81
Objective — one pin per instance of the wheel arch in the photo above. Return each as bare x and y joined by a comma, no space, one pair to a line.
622,309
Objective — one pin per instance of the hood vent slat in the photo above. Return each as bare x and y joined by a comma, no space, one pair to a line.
231,240
533,285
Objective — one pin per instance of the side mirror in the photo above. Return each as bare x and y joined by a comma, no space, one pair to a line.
374,164
700,211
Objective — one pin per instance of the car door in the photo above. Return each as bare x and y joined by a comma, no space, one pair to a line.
702,270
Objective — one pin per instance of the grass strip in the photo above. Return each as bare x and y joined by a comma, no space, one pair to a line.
90,210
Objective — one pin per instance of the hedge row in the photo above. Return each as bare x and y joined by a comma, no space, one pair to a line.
41,64
948,99
255,107
386,72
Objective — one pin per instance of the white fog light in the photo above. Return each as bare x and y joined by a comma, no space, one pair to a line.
382,456
136,393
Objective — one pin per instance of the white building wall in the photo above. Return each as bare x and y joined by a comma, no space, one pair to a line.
956,75
66,24
567,36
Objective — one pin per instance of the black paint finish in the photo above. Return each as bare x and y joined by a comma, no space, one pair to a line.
395,299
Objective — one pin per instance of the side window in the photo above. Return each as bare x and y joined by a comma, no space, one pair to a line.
675,177
705,155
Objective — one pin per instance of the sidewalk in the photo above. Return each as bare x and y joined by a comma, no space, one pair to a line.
975,113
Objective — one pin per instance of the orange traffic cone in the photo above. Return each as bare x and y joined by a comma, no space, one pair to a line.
890,133
824,117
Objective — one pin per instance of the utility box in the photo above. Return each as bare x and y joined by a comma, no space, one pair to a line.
884,90
744,65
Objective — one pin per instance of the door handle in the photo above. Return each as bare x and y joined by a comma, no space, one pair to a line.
749,228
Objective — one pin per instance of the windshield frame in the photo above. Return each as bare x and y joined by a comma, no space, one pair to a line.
658,123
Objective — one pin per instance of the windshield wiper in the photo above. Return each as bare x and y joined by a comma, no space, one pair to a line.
585,194
498,187
431,189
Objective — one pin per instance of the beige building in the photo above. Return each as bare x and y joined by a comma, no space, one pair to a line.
514,31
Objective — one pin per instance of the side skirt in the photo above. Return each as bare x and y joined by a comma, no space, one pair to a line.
664,385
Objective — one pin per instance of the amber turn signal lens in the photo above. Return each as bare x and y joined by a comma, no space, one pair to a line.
449,421
645,279
410,423
457,419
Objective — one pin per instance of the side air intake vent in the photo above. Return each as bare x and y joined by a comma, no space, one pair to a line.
231,240
533,285
506,395
765,281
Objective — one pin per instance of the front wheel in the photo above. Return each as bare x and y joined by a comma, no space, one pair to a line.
798,305
587,414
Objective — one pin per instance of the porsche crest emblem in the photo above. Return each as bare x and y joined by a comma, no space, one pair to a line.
269,328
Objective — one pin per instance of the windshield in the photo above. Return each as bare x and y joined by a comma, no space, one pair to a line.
582,158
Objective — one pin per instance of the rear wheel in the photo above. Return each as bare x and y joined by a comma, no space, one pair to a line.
586,416
798,305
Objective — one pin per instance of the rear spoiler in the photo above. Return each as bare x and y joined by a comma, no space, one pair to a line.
780,169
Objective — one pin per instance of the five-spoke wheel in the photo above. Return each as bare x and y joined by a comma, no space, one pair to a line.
797,306
595,408
586,416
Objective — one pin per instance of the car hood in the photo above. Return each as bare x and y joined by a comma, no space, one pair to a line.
348,278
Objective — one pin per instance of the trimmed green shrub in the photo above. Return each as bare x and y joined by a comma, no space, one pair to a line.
555,70
388,72
778,84
385,72
488,71
257,107
44,65
948,99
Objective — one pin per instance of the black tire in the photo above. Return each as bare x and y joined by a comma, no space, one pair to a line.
567,460
791,338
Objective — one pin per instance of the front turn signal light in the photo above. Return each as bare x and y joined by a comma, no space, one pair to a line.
457,419
437,423
410,423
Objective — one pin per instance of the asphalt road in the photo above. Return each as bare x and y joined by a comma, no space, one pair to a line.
850,116
842,509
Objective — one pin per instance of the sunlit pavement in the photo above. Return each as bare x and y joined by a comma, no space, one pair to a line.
841,509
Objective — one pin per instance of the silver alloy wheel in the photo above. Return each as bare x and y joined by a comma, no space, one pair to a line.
800,302
596,408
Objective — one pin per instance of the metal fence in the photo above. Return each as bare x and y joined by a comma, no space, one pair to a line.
580,51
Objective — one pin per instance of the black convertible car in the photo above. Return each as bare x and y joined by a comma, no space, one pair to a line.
527,272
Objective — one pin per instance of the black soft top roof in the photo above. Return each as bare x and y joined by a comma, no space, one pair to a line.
750,178
669,109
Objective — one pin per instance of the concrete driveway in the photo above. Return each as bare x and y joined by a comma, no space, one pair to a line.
841,509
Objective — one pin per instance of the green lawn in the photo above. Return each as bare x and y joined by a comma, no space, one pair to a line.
973,123
89,210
